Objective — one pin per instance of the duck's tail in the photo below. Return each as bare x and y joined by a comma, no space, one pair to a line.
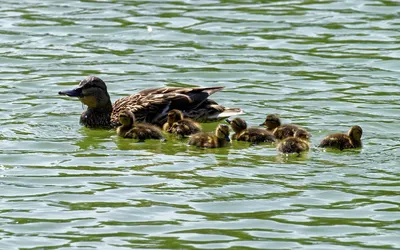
226,113
210,111
211,90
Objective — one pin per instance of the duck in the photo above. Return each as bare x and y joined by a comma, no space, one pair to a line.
344,141
280,131
295,144
254,135
207,140
148,106
178,125
141,131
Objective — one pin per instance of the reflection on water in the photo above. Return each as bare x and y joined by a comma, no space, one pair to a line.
324,65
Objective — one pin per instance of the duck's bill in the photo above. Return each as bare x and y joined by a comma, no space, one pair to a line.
73,92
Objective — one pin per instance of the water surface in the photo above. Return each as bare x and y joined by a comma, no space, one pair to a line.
325,65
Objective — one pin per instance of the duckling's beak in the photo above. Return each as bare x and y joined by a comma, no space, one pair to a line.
262,124
77,92
227,138
228,121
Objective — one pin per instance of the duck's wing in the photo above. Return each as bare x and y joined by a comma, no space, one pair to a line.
179,98
152,105
210,111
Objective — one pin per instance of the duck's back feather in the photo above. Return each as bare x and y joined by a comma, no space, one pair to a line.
144,131
285,130
339,141
185,127
256,135
152,105
206,140
293,145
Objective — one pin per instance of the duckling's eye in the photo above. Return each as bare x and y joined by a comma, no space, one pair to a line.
222,132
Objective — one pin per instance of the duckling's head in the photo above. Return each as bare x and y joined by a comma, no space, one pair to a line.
302,134
222,132
237,124
92,92
355,133
126,118
272,121
174,116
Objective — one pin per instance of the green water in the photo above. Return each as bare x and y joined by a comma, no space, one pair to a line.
325,65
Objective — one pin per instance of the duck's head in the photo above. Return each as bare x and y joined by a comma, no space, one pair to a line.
174,116
237,124
126,118
222,132
355,133
272,121
302,134
91,91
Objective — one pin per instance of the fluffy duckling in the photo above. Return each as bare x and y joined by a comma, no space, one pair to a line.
295,144
207,140
254,135
141,131
178,125
280,131
342,141
148,106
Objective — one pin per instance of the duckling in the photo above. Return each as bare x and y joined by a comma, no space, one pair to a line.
141,131
178,125
280,131
207,140
342,141
254,135
295,144
148,106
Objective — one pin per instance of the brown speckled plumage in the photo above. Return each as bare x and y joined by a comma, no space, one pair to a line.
178,125
295,144
343,141
254,135
140,131
280,131
207,140
150,105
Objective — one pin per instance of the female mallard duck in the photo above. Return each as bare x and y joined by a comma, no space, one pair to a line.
254,135
295,144
280,131
141,131
207,140
150,105
343,141
178,125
